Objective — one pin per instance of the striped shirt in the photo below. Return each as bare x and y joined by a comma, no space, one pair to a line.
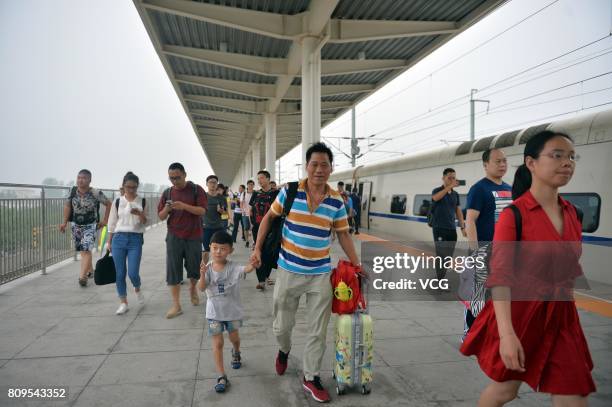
307,235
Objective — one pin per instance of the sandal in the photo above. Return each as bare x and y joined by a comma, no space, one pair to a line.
222,383
236,361
83,282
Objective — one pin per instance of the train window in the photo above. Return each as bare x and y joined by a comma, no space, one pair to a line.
531,131
422,202
590,203
421,205
398,204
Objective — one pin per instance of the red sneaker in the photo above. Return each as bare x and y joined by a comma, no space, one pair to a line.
281,362
316,389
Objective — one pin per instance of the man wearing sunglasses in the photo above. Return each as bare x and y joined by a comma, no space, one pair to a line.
182,205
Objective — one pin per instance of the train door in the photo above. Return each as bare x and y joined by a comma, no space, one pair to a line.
365,192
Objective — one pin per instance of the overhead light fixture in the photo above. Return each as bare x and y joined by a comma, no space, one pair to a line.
223,46
361,56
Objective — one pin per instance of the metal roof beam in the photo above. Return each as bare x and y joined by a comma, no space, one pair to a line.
297,119
371,30
274,25
266,91
255,90
241,105
348,66
292,27
279,66
211,124
226,135
295,92
220,135
233,117
248,63
319,13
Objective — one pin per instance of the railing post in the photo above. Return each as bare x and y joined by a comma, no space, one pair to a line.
43,234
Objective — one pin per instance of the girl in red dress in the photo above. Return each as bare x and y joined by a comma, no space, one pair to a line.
537,340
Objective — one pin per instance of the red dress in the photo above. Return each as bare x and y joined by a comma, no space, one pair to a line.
557,357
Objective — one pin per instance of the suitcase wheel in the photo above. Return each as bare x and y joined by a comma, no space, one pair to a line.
365,389
340,390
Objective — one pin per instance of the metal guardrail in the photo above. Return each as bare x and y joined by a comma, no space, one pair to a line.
30,239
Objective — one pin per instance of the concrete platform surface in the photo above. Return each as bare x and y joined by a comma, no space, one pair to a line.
54,333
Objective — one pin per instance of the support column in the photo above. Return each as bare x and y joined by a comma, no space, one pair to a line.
256,159
270,121
311,93
248,161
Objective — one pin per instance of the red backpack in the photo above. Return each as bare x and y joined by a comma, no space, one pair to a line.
346,286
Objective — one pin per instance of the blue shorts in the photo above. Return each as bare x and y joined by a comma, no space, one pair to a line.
217,327
246,222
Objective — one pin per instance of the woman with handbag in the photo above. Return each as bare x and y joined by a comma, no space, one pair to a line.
126,226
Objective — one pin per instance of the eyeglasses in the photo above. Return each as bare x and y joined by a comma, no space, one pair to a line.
177,178
130,187
212,181
562,156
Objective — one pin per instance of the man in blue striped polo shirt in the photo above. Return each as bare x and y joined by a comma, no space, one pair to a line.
304,263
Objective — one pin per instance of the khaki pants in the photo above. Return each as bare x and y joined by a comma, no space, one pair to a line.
288,289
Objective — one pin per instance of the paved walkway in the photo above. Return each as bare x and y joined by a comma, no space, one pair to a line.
55,333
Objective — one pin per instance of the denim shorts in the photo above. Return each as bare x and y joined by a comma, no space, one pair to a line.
217,327
246,222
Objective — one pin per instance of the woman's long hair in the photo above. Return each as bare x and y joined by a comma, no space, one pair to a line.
130,176
533,148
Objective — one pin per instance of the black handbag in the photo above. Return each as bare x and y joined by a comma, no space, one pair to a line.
105,272
272,242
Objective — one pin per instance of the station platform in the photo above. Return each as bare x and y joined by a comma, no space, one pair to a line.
54,333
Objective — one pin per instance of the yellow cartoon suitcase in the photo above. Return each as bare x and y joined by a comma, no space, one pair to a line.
354,352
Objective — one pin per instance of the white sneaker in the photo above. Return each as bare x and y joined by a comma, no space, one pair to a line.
123,308
140,297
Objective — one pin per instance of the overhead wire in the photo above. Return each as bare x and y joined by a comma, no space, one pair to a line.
464,54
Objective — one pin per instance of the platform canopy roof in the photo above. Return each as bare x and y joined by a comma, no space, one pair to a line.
231,61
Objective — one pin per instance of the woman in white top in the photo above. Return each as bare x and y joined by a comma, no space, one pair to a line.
126,226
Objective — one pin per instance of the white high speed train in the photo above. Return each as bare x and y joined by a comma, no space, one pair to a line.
395,192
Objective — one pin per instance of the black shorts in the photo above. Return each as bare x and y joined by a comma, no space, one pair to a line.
181,252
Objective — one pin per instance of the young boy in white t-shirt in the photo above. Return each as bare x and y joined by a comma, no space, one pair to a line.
221,280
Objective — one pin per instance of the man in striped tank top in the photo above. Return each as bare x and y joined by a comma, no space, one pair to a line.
304,263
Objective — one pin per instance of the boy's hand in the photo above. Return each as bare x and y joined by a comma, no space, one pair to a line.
201,284
255,258
248,268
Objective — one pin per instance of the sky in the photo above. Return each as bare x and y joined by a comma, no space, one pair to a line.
82,87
